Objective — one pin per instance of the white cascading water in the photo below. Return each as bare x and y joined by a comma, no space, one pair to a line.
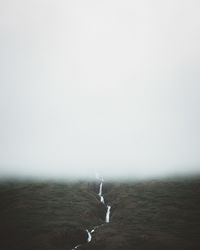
102,200
100,193
89,236
107,219
100,188
76,247
108,214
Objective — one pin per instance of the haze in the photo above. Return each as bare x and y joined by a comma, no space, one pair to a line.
99,86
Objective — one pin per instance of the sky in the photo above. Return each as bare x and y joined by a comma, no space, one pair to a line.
99,86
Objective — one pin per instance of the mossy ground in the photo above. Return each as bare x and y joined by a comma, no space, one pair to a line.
160,214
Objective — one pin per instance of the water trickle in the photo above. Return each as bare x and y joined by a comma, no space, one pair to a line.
76,247
107,219
100,189
89,236
100,193
108,214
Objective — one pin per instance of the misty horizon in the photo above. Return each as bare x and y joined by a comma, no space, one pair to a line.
106,87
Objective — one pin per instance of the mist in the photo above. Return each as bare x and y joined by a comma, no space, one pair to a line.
99,86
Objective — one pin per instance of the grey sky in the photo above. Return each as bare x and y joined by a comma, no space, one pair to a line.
107,86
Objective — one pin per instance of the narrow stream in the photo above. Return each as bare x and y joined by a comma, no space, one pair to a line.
107,217
89,236
108,214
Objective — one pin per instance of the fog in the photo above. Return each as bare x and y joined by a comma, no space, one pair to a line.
99,86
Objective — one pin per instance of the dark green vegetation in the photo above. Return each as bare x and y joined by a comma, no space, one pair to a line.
147,215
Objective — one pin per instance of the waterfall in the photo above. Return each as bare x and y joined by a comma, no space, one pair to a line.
89,236
100,192
107,219
100,189
108,214
102,199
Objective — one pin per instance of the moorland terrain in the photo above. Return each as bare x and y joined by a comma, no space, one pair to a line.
145,215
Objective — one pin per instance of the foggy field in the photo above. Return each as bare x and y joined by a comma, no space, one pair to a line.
144,215
108,88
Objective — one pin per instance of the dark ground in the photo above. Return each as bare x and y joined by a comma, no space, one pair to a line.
151,215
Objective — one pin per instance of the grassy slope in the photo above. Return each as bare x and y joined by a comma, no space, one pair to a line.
150,215
46,215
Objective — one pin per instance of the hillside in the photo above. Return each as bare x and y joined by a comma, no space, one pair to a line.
144,215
